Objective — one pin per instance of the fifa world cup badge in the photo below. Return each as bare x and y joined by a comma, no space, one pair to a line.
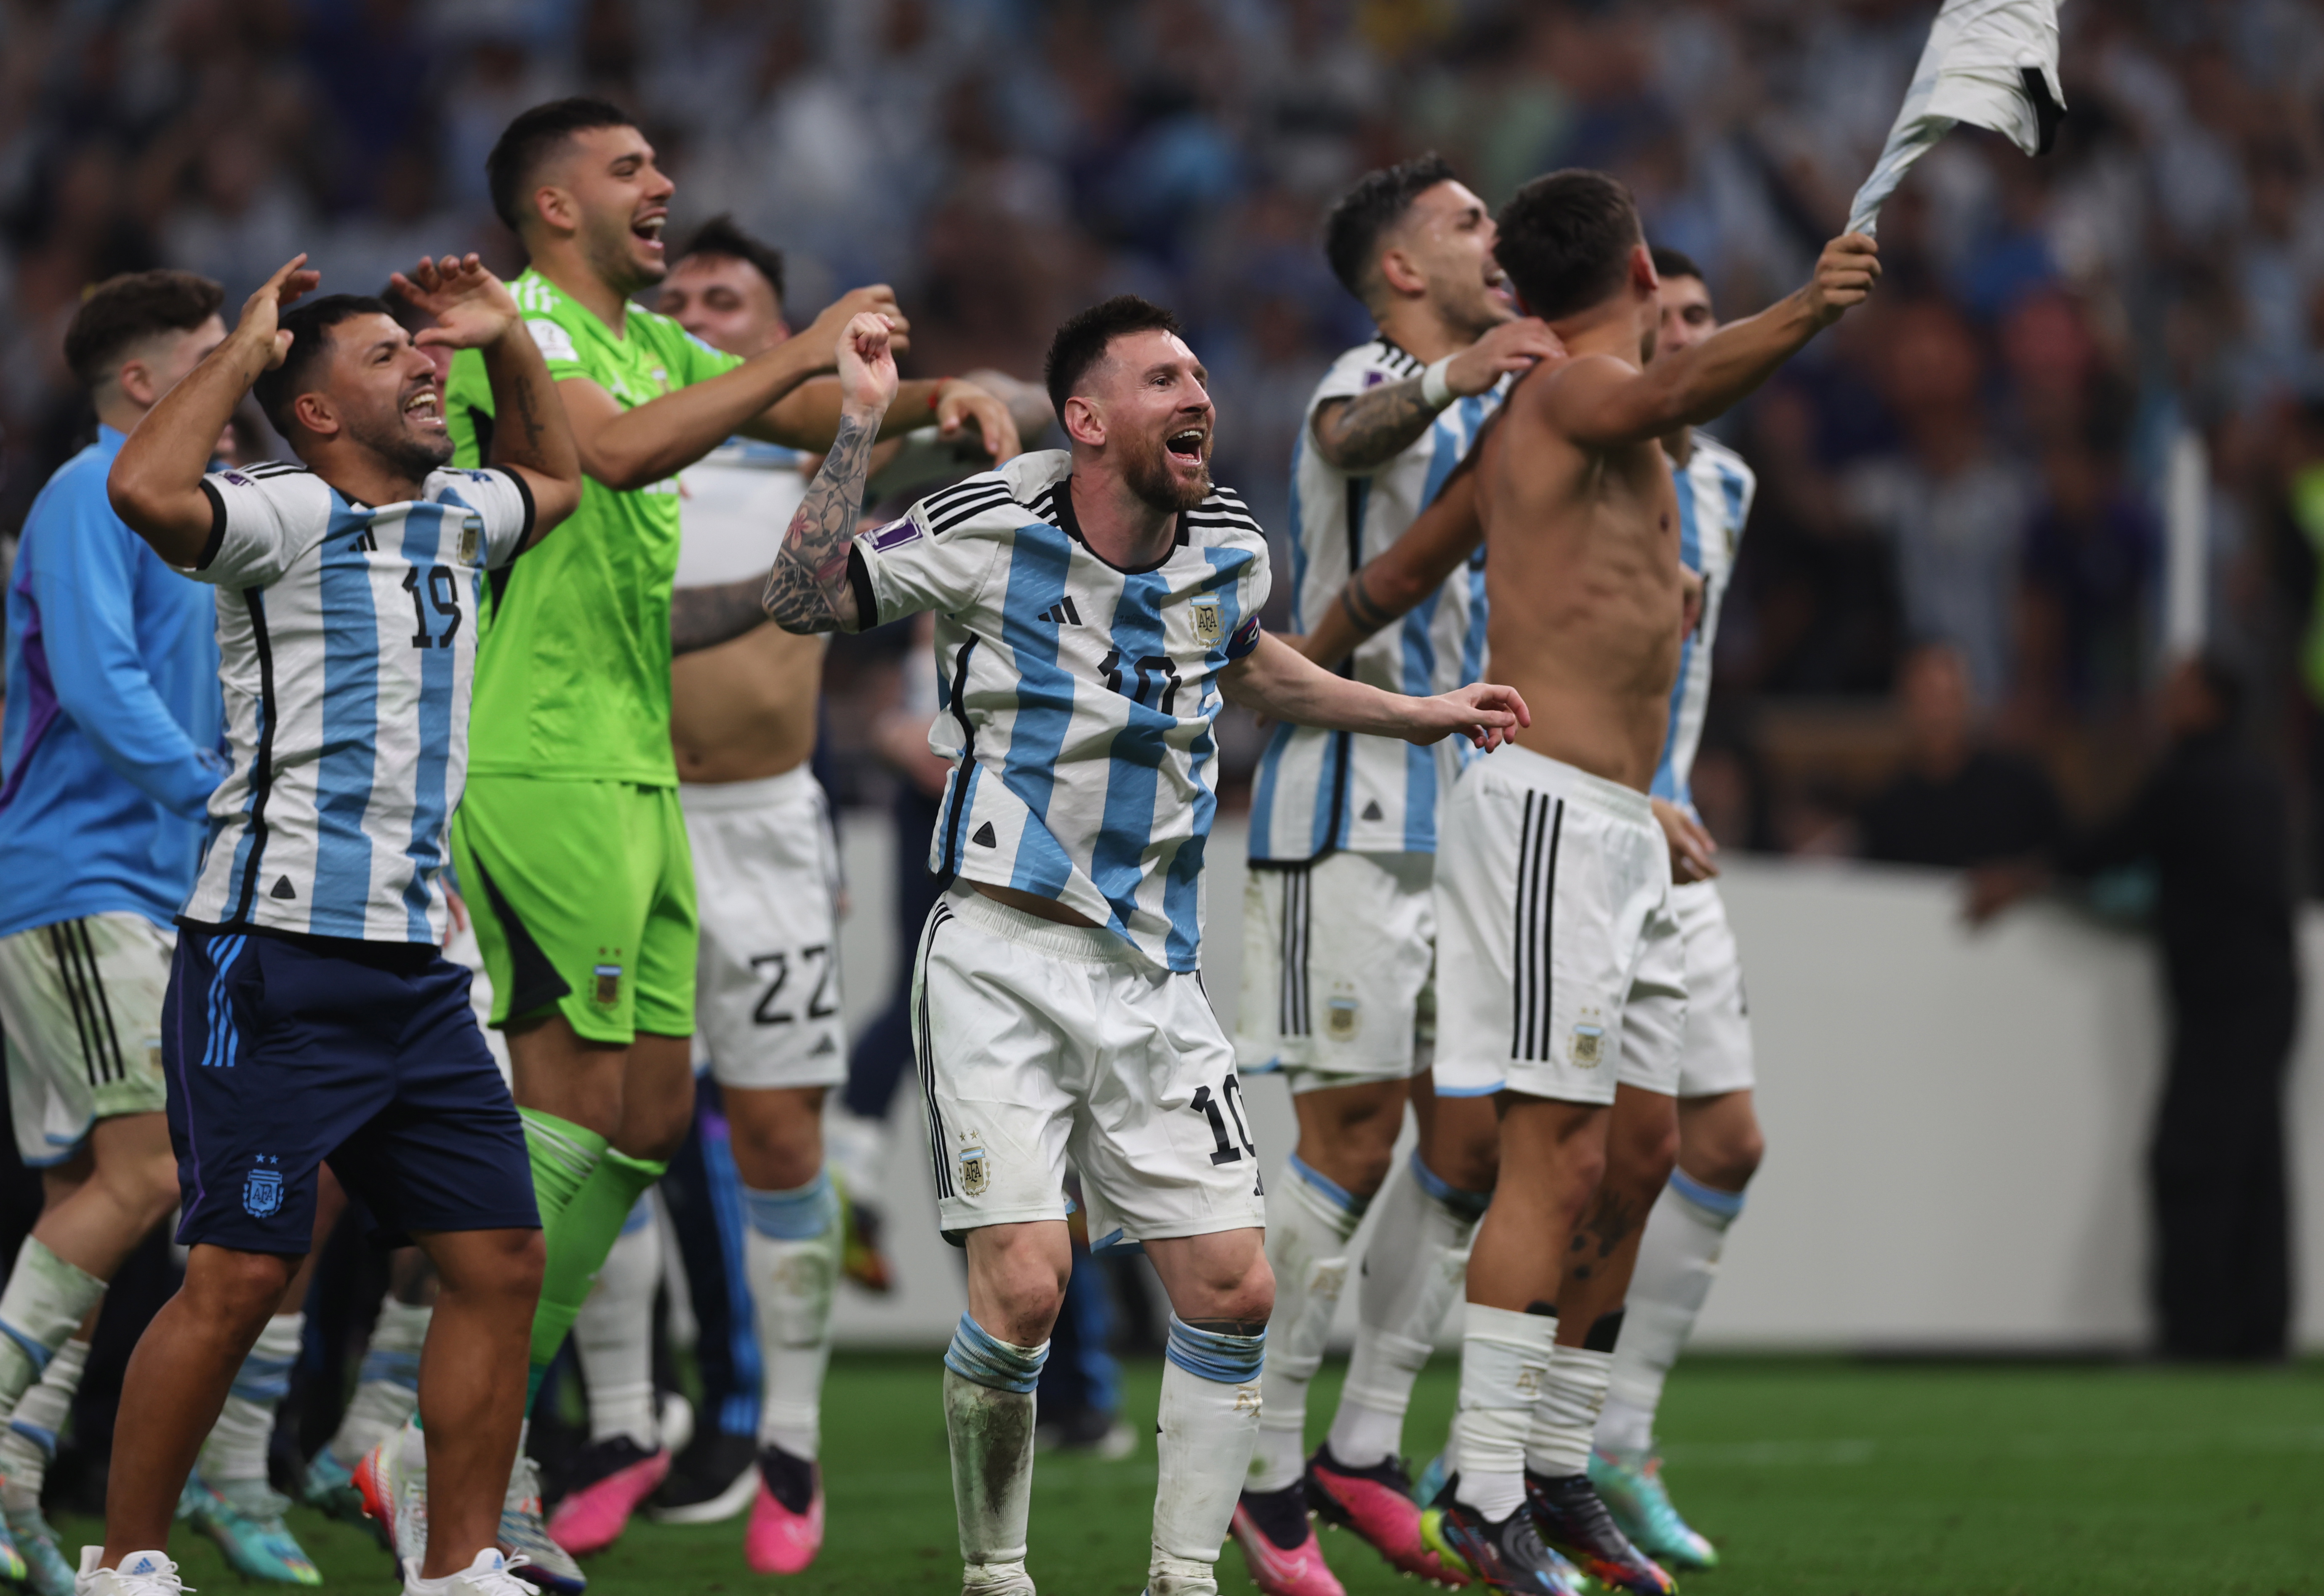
262,1191
975,1173
1210,620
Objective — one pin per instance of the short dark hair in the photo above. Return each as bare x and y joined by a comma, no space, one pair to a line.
310,327
723,236
1676,262
1083,341
1565,240
532,137
129,309
1351,234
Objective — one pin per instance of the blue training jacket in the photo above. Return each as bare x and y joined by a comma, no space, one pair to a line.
109,748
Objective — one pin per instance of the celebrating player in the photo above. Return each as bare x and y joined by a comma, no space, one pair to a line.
309,1012
1093,605
572,845
1338,933
112,754
1583,531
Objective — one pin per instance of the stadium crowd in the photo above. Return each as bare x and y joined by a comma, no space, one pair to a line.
1977,461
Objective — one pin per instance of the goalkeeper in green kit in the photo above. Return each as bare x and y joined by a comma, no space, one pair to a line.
571,844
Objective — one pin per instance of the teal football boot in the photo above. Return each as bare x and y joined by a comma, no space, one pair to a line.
1642,1507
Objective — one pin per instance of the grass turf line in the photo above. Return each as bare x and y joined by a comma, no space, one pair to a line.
1816,1478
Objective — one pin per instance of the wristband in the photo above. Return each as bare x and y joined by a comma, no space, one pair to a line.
1434,390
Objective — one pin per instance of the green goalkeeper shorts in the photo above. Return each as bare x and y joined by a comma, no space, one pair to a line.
582,897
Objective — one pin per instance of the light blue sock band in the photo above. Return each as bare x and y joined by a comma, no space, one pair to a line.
397,1369
639,1216
799,1214
986,1359
1467,1204
1722,1206
1215,1355
46,1440
1338,1195
264,1379
37,1354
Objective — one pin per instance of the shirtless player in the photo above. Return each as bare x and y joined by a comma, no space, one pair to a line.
1554,879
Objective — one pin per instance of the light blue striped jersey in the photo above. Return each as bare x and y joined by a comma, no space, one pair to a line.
1316,790
1714,500
1076,698
347,648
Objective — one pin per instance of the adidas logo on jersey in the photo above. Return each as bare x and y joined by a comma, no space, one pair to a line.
1061,613
1372,811
984,836
282,887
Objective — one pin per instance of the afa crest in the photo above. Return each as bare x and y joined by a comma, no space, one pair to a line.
605,987
1344,1017
975,1167
261,1191
469,542
1589,1045
1210,620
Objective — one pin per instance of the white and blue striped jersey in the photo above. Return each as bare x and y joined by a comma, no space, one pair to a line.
1318,792
1714,500
1077,698
347,647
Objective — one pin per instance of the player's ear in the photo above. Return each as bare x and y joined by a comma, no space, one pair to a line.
313,411
1643,275
1084,422
135,379
555,208
1401,273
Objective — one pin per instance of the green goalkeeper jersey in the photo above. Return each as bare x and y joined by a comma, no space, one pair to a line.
573,673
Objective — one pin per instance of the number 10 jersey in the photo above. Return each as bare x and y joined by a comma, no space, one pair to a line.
347,648
1077,699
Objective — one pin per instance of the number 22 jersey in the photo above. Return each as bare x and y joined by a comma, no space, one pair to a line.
347,649
1077,698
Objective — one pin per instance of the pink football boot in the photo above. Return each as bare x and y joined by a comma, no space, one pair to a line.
591,1517
786,1529
1263,1521
1375,1503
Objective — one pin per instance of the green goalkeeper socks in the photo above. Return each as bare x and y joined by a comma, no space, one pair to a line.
583,1232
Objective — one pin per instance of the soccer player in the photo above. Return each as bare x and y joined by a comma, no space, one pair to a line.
1094,605
310,1014
1339,936
1720,1143
1553,882
572,845
111,752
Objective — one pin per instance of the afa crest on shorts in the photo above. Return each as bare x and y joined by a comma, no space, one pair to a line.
1210,620
975,1168
261,1190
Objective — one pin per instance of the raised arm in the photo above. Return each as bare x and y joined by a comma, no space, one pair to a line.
1367,431
1384,589
641,446
156,481
1278,681
809,590
532,439
1604,403
808,418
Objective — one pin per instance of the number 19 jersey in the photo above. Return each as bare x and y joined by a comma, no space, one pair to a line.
1077,698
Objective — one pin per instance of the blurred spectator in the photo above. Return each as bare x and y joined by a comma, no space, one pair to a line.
2090,556
2213,823
1959,800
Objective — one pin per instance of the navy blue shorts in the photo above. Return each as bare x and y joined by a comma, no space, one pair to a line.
282,1053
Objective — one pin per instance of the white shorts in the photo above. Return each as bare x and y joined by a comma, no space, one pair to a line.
81,1002
1553,893
1716,1057
766,873
1041,1043
1336,961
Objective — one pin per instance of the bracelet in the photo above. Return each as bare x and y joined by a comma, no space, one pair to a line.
937,393
1434,390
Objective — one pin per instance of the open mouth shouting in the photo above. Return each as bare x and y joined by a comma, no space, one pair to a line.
647,226
1497,286
423,408
1189,444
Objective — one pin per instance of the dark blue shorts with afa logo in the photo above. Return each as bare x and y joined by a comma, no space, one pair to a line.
284,1052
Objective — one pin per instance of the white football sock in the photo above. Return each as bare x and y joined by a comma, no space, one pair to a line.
1558,1443
1503,1366
614,1334
1678,1259
237,1443
29,1445
387,1390
1413,1265
44,1305
989,1411
792,1250
1209,1420
1309,1220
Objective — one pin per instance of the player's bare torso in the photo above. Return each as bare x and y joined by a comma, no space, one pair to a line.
745,709
1582,572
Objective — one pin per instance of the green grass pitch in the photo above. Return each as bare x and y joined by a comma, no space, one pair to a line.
1817,1477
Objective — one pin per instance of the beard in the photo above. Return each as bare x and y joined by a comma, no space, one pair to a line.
617,264
1147,474
411,453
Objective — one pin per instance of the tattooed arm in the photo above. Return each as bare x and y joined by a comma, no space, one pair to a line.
808,590
1366,432
704,617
